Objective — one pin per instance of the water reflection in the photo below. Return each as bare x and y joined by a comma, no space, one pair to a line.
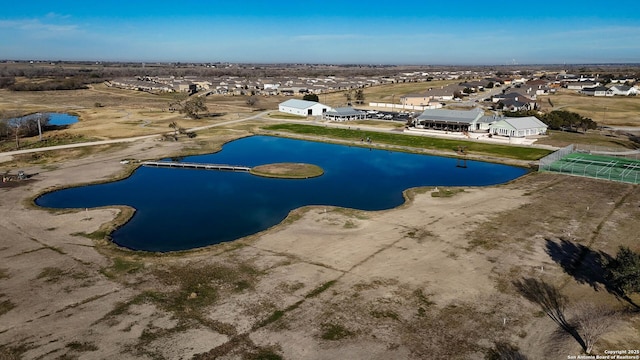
181,209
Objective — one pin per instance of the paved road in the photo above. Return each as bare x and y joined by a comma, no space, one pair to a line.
71,146
622,128
488,93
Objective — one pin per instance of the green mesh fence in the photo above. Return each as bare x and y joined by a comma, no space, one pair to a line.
612,168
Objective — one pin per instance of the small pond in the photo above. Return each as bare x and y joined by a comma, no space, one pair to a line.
56,119
60,119
180,209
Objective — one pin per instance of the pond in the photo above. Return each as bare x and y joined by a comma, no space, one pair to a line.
179,209
60,119
56,119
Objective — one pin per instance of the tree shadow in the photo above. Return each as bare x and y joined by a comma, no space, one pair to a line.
551,301
585,265
51,127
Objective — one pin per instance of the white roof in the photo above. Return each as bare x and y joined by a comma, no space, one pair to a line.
522,123
457,116
344,111
299,104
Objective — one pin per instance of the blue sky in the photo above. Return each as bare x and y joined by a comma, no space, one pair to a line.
339,32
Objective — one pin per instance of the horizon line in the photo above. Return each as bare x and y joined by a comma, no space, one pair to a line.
312,63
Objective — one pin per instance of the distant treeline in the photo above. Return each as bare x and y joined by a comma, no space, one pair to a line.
74,75
109,71
560,120
51,84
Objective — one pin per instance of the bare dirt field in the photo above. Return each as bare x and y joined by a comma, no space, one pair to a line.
433,279
437,278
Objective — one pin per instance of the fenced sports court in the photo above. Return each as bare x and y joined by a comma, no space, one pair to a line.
607,164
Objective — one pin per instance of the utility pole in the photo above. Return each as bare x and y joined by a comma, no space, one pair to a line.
17,139
39,127
393,99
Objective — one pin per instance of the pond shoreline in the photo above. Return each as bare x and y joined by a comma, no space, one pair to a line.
234,205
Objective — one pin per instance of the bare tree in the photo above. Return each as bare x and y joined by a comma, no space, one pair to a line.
193,107
17,130
176,102
359,96
593,321
349,96
252,101
25,125
175,127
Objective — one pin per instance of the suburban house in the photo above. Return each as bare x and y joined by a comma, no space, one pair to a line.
139,85
597,91
624,90
425,99
579,85
186,86
303,107
518,126
445,93
474,86
344,114
450,120
416,99
514,101
537,87
623,80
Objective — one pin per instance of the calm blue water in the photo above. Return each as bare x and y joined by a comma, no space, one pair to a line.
180,209
62,119
57,119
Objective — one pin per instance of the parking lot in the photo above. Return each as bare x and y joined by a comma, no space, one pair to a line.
402,116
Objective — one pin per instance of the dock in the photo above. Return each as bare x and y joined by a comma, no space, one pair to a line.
186,165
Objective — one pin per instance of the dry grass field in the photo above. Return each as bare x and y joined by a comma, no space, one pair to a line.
612,139
385,93
613,111
123,113
436,278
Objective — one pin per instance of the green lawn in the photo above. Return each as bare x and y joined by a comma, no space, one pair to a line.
421,142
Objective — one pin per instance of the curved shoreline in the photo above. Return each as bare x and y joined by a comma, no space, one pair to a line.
119,221
287,171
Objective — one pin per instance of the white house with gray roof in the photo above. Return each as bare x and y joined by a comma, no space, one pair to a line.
597,91
624,90
303,107
344,114
450,120
518,126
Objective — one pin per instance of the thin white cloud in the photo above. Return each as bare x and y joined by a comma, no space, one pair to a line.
600,31
53,15
322,37
37,25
